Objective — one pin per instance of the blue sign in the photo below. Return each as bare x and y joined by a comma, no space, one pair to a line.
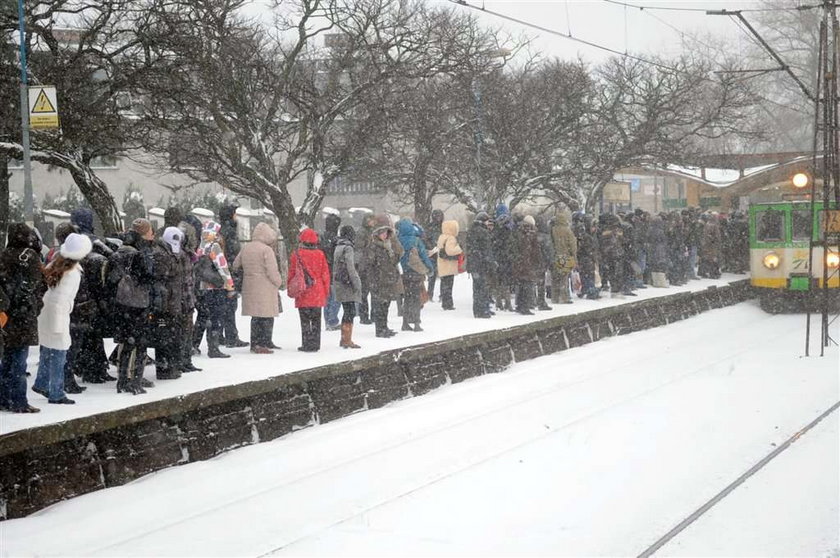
635,184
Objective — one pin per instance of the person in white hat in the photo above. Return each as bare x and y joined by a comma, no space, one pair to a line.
62,276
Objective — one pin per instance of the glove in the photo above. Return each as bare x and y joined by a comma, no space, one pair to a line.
4,319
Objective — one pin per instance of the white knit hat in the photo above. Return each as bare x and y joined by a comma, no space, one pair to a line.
529,220
76,246
173,236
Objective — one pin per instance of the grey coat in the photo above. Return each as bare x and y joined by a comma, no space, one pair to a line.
344,256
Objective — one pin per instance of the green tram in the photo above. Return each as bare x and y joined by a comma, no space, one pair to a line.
780,240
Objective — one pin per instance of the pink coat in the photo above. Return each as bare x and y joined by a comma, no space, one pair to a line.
261,280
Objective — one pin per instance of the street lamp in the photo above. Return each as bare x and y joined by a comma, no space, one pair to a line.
24,123
800,180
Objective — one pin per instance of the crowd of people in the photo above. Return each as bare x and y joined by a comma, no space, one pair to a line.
172,288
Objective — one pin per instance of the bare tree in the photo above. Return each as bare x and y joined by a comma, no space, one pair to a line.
82,48
641,113
254,108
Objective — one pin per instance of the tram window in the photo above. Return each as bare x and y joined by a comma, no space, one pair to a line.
771,226
801,224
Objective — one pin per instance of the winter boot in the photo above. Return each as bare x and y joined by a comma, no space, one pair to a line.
213,346
347,337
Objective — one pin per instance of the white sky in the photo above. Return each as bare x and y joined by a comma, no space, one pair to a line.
617,27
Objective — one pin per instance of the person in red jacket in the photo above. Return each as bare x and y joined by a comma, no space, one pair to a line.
309,259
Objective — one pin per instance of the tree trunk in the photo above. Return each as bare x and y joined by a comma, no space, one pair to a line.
287,219
97,195
316,190
422,199
4,198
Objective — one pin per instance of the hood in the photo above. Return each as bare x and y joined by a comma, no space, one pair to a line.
226,214
347,233
406,229
172,216
502,209
368,222
264,233
561,219
308,236
82,217
450,227
381,222
437,216
331,224
174,238
18,235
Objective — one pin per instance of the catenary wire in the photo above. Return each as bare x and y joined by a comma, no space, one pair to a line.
677,9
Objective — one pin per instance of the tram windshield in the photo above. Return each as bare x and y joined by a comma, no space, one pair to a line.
770,226
801,225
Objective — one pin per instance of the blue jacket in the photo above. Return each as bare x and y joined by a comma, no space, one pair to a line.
409,238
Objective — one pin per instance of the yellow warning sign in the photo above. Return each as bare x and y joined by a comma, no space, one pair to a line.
42,104
43,108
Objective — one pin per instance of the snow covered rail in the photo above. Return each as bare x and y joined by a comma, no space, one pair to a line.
43,465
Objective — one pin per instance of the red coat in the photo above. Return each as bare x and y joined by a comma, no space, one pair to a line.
316,265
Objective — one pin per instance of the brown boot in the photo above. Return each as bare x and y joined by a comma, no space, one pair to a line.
346,337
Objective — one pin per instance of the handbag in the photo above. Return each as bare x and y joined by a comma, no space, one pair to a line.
462,262
301,282
415,263
206,272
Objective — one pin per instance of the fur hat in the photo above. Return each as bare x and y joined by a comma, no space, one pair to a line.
173,236
211,227
529,220
76,246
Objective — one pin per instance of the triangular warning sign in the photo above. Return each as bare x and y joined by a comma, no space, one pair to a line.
42,104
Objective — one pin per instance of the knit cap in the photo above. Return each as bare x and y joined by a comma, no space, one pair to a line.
76,246
529,220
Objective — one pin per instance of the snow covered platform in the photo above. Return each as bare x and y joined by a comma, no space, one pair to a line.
109,439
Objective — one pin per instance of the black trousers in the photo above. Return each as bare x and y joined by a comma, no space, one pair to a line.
446,284
86,356
310,328
186,338
411,299
364,306
167,335
481,295
231,334
525,294
262,331
211,308
132,335
379,312
348,312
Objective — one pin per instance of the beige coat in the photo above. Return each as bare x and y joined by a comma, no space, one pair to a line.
448,244
262,278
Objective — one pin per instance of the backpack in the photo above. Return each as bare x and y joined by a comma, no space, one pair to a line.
342,274
301,282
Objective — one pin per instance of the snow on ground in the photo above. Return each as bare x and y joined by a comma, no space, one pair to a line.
245,366
599,450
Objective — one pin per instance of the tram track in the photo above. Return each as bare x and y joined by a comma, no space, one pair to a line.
536,433
527,399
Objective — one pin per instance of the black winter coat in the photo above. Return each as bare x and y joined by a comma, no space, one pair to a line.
23,283
480,251
167,293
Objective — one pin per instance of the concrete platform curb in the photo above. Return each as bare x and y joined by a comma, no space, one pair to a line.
46,464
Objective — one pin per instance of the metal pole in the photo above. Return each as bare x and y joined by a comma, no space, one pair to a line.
28,205
479,136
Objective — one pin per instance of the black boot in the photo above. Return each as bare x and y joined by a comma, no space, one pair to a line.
213,346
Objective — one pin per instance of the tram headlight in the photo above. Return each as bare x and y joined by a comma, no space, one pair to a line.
771,260
832,260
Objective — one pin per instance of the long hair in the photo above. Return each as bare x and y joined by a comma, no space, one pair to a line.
56,269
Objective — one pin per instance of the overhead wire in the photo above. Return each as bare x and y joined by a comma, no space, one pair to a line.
745,10
571,37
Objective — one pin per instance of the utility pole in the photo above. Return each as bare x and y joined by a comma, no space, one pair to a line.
28,205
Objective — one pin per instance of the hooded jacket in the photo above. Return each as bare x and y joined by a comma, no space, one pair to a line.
447,245
479,243
409,238
383,273
345,258
309,256
329,237
23,283
565,243
261,274
229,231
